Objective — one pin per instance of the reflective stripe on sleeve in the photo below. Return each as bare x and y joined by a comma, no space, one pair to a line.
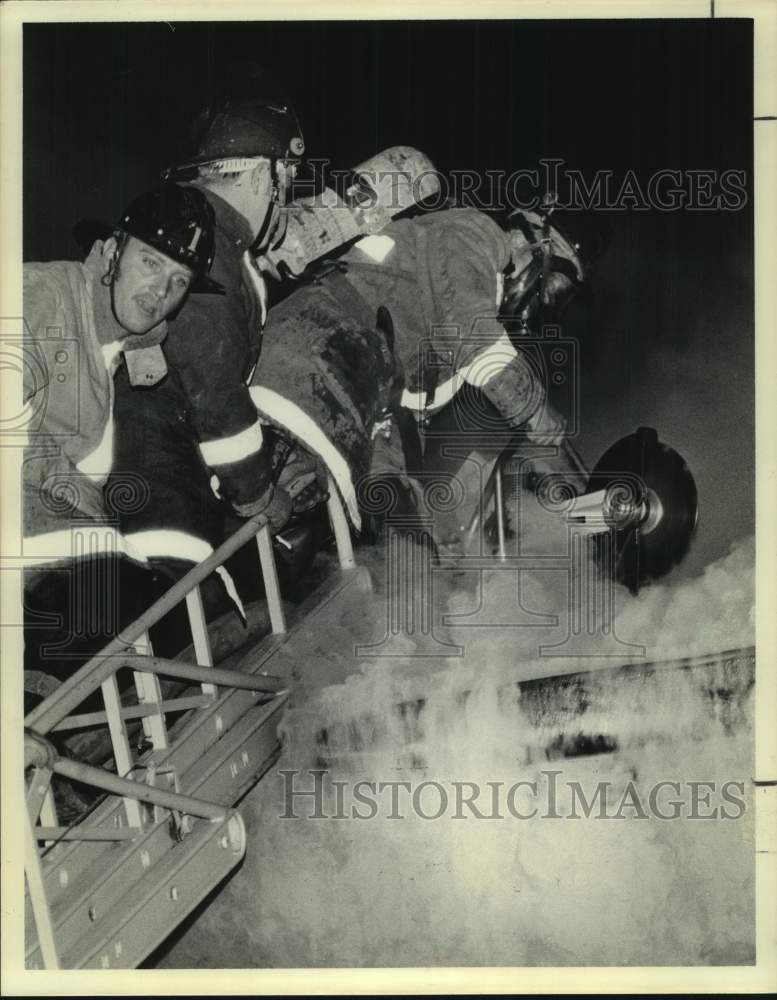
500,289
164,543
234,448
479,372
491,362
282,411
78,542
160,542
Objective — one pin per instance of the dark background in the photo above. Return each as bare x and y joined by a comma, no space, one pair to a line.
667,335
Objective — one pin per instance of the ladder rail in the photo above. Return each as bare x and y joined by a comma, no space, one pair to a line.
131,648
75,689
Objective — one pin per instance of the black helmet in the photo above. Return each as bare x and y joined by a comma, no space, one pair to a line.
552,256
588,233
179,222
248,128
248,117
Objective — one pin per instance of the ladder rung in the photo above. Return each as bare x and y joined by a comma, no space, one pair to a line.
194,672
39,785
134,712
137,791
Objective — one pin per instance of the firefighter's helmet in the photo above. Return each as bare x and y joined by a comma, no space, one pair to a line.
588,233
244,130
179,222
247,117
552,252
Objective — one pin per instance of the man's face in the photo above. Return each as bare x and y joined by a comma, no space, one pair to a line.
149,286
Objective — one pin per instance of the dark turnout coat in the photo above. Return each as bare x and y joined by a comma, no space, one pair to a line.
326,371
326,374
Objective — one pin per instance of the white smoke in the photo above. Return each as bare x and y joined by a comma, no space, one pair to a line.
541,891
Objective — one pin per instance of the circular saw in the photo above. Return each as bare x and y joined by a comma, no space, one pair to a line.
643,496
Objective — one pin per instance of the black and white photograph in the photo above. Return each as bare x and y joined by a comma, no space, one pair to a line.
379,528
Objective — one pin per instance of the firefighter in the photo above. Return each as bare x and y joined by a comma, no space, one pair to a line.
197,435
431,291
81,322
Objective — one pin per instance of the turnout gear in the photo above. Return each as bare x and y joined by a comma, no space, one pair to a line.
83,579
201,442
324,377
197,438
385,185
438,275
179,222
73,347
214,346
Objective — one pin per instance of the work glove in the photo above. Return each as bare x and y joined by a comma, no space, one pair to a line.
546,426
275,504
278,510
303,477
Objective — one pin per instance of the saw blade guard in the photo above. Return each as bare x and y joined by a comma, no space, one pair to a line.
643,492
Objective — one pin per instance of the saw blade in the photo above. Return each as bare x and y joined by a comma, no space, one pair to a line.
661,481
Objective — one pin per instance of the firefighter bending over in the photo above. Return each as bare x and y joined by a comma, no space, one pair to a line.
448,294
197,434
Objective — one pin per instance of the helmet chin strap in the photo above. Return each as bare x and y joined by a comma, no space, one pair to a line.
111,275
262,237
271,221
533,280
113,302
